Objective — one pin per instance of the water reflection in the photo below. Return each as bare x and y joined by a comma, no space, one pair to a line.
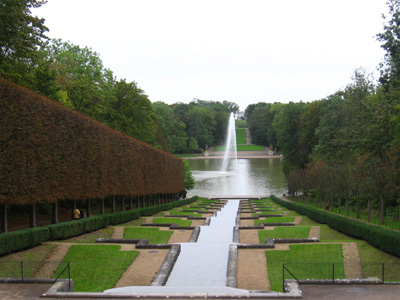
254,176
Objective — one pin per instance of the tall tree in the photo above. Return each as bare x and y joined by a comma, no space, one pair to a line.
21,35
173,130
79,73
286,124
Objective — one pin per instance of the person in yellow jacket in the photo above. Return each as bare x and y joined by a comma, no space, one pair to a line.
76,214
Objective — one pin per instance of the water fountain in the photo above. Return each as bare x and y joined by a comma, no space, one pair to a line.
230,158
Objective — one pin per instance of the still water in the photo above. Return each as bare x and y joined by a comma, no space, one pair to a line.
204,263
253,177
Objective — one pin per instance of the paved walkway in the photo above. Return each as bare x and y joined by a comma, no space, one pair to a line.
12,291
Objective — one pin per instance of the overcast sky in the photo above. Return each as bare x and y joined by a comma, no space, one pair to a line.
245,51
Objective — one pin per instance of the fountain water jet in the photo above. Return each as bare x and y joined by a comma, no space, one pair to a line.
230,156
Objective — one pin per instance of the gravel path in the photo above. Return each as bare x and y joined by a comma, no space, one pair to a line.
252,269
52,262
351,260
315,232
143,269
118,232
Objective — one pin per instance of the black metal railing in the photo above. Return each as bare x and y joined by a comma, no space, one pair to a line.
336,273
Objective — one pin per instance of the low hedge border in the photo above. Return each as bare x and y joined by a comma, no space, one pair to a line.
27,238
385,239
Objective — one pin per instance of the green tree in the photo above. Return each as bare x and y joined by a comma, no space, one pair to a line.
390,38
131,112
188,176
308,123
79,72
286,124
201,126
173,129
21,36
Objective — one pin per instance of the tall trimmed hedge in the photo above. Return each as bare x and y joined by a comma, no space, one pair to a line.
385,239
22,239
50,152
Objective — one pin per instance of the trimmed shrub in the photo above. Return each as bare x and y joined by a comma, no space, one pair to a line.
55,153
385,239
22,239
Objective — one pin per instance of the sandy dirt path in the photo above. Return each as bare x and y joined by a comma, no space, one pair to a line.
143,269
315,232
52,262
352,262
252,271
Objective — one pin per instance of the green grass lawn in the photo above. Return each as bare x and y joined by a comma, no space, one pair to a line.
95,268
10,265
295,232
178,221
274,220
177,212
328,234
250,148
241,136
266,213
241,148
307,221
372,259
154,235
305,262
186,155
104,233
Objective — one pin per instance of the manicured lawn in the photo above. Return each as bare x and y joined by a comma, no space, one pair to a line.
178,221
105,233
95,268
177,212
154,235
10,265
305,262
266,213
250,148
274,220
307,221
370,255
328,234
241,136
295,232
187,155
242,148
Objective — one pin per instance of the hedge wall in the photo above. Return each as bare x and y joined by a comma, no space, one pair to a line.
385,239
50,152
22,239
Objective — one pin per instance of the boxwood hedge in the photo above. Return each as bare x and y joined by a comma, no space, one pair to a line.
22,239
385,239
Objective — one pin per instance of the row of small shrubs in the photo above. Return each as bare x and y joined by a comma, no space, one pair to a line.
22,239
385,239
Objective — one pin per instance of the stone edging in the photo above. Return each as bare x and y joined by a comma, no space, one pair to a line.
166,267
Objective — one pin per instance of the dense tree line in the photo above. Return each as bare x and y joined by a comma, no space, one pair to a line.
345,147
76,77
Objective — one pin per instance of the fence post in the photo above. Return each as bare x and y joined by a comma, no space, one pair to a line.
69,277
333,273
383,272
283,278
22,271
